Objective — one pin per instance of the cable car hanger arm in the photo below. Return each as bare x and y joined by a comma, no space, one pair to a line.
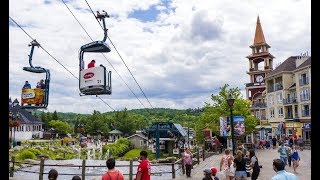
33,43
101,16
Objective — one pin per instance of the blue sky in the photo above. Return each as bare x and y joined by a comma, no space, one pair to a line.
179,53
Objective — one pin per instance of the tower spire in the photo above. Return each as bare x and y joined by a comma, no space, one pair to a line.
259,36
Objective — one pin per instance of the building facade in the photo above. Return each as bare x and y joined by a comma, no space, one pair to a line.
280,97
29,127
260,64
289,97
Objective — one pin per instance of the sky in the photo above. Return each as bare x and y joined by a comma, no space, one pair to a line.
174,54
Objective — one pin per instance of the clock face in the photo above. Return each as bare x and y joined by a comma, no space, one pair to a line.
259,78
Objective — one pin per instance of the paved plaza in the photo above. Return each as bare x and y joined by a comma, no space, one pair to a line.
265,159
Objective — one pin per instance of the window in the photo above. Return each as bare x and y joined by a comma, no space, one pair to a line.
305,110
279,97
271,111
280,112
257,114
304,94
303,79
270,99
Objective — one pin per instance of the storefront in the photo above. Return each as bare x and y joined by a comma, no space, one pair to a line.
306,131
289,128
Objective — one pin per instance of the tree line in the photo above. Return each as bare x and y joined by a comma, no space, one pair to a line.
128,121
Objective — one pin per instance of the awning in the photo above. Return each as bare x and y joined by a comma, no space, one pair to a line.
266,127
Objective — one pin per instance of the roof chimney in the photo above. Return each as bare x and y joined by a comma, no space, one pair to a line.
302,58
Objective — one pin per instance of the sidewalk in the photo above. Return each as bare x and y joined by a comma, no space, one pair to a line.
265,158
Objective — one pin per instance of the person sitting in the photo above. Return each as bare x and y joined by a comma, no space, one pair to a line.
26,85
41,84
91,64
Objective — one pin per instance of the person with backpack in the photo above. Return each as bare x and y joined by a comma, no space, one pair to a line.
112,173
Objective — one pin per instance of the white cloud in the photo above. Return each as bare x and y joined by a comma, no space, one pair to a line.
179,59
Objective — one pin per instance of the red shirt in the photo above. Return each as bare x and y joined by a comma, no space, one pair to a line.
113,174
145,168
91,64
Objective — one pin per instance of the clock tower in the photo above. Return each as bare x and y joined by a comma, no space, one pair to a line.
260,64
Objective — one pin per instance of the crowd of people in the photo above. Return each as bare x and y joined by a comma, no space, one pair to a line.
243,165
143,171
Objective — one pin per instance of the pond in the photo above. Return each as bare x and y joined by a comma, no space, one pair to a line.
160,172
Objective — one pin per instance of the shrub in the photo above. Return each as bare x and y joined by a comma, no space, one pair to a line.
34,151
26,154
117,148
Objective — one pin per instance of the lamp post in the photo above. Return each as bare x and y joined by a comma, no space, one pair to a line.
188,135
230,102
157,141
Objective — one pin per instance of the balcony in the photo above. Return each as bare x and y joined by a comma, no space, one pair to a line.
288,116
278,87
304,81
289,101
306,113
258,105
263,117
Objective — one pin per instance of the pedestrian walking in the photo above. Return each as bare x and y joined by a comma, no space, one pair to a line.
187,159
254,164
274,142
240,165
283,153
295,158
225,162
278,167
289,154
300,142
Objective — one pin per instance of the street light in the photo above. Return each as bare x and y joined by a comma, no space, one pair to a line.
230,102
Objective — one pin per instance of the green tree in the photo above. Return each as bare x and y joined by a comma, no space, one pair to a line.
129,122
219,107
54,115
60,126
97,123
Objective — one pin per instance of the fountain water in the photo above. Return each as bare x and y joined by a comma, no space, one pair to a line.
107,155
79,153
93,153
100,153
88,154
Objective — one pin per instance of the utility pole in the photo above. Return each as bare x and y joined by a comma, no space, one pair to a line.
157,141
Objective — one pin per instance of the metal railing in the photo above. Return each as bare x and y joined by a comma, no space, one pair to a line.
83,167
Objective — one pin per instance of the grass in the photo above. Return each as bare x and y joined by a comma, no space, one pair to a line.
135,153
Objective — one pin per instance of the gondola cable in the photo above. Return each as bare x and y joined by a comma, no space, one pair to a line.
103,54
54,57
120,55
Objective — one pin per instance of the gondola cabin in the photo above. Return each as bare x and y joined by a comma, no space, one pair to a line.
37,97
95,80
